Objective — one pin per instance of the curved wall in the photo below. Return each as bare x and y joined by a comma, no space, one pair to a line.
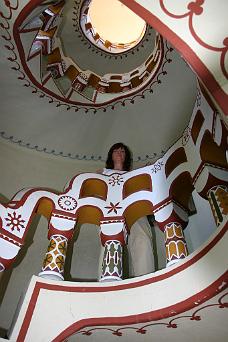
205,50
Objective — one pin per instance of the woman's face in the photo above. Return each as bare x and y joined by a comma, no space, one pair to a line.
118,155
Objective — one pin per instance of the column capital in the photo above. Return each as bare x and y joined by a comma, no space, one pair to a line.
62,223
113,228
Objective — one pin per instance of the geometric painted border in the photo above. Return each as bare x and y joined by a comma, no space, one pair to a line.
147,159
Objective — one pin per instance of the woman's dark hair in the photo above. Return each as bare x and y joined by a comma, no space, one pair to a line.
128,158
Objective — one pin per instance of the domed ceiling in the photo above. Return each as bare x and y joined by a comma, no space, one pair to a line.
68,92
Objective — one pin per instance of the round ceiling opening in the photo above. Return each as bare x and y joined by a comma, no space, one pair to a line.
113,25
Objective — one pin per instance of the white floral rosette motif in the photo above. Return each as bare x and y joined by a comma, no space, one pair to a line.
67,203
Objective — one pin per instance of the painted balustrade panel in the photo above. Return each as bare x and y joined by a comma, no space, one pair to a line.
111,196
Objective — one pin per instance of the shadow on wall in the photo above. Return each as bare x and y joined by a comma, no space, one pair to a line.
21,255
10,284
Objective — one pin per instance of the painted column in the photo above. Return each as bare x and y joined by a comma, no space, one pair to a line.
172,218
175,244
53,265
218,199
112,266
113,238
61,228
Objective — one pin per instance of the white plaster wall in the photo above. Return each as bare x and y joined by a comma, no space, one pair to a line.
22,167
201,225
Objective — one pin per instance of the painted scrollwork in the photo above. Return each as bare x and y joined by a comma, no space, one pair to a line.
196,8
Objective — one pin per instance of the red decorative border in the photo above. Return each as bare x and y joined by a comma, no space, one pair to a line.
17,204
190,56
142,330
155,315
195,8
11,9
204,295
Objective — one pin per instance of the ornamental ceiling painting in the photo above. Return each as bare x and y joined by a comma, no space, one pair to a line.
67,91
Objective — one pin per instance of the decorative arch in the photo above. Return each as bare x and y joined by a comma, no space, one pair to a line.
224,138
181,189
177,157
93,187
211,153
197,125
137,183
45,207
89,214
136,210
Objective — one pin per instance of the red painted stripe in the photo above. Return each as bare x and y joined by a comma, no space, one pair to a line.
155,315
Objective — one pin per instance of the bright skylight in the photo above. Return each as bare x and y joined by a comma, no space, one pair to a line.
115,22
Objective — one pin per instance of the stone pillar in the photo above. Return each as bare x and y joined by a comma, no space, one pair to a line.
112,266
218,199
175,244
53,265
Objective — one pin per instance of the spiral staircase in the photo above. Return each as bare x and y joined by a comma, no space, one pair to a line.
65,99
